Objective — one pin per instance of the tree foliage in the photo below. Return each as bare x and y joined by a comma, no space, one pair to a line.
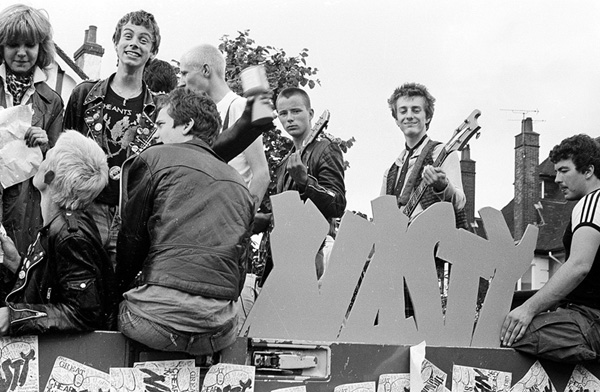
282,71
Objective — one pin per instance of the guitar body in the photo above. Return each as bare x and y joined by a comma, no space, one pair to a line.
458,142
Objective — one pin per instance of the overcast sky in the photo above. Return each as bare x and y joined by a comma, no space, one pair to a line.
495,56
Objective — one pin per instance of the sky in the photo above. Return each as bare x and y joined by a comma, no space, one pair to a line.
507,58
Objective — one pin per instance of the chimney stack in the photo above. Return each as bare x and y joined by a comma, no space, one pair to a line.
527,183
467,168
89,56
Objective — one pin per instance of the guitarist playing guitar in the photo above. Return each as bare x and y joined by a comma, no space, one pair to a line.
314,167
426,171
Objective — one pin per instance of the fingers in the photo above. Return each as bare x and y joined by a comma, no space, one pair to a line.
35,136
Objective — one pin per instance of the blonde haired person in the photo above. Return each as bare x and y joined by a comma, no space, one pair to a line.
26,50
65,282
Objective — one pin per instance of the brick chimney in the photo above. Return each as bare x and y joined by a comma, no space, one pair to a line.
527,182
467,168
89,56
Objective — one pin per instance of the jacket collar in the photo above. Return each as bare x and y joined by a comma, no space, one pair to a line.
39,76
202,144
98,92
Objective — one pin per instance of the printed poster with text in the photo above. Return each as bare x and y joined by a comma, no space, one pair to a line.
229,377
467,379
72,376
582,381
368,386
394,382
19,358
155,377
535,380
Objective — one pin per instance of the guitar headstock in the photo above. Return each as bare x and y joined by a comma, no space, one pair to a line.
322,121
464,133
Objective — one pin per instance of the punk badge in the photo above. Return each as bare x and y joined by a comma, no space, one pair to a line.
115,173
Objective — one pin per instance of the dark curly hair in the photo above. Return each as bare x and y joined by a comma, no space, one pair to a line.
185,105
583,150
413,90
160,76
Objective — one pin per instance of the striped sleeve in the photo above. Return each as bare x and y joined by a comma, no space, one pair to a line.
587,212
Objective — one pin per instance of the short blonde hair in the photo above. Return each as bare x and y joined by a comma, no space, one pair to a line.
80,171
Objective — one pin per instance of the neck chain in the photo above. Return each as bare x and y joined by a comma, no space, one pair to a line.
135,94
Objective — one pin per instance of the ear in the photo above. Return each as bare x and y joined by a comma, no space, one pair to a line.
206,71
49,177
187,127
311,113
589,172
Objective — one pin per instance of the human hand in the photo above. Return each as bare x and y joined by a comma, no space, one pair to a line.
435,177
515,324
297,170
4,321
36,136
261,222
11,258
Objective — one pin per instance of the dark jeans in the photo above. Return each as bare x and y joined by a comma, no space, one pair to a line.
163,338
567,334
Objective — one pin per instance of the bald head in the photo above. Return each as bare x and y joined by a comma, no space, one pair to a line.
205,54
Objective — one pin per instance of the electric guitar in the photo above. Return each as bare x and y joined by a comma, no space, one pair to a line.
459,140
319,126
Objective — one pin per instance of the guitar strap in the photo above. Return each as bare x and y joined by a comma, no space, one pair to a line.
402,195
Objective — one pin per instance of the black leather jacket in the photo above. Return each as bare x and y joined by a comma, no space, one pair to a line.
66,281
186,222
325,165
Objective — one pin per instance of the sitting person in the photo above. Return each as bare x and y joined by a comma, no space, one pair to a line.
186,219
65,282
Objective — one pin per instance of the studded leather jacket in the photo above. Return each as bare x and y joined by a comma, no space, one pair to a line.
65,282
84,111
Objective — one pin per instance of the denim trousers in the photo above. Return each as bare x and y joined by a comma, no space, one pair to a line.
163,338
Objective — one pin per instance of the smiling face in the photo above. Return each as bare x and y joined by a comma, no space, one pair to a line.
411,118
21,55
134,48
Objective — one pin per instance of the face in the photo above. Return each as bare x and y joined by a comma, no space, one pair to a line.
410,117
166,132
134,48
571,182
192,78
294,116
21,56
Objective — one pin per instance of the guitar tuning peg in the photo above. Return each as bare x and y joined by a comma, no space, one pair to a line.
477,135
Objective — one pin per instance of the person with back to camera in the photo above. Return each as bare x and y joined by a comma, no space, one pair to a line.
65,282
186,228
27,50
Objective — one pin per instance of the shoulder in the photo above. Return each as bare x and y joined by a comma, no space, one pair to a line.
586,210
86,85
48,94
324,145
